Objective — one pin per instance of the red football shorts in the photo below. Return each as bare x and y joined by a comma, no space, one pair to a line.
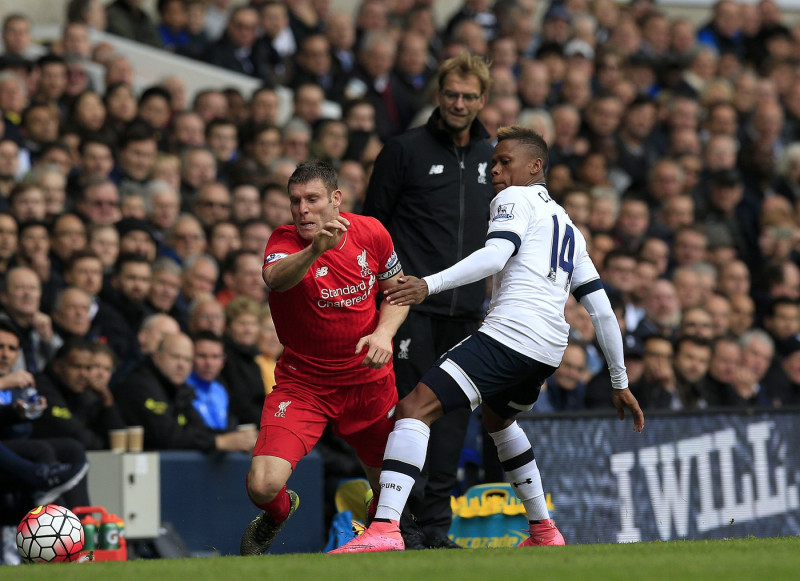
295,415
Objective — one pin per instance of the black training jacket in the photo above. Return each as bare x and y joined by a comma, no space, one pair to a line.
434,199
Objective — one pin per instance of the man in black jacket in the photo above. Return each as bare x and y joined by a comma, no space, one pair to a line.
431,189
155,395
76,408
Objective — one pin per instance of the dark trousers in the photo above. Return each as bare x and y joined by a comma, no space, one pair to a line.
418,344
44,451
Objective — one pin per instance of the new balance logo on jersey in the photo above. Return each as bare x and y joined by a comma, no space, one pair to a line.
505,212
321,271
436,169
482,172
526,481
404,345
281,413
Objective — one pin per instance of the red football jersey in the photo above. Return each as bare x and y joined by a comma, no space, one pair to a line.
320,320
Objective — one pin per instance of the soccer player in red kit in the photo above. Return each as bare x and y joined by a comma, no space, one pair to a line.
324,273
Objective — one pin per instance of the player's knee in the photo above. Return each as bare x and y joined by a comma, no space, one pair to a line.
263,487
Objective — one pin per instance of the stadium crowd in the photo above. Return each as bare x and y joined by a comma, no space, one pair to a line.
133,224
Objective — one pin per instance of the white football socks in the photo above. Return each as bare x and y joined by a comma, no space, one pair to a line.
516,455
405,454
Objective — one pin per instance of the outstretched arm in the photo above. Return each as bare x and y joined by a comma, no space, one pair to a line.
483,262
610,340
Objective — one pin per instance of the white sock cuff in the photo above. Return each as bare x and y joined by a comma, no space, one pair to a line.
414,425
507,434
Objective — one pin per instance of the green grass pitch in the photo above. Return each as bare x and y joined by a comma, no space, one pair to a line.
725,560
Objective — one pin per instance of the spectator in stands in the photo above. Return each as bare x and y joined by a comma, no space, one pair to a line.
657,388
136,237
314,64
165,288
212,204
206,313
237,49
223,140
77,408
71,315
255,235
186,237
172,29
103,240
265,106
164,203
240,275
39,471
84,270
188,131
296,141
726,357
199,167
16,34
155,395
341,34
662,312
100,203
21,307
9,232
211,398
128,19
565,390
223,238
275,205
199,277
743,310
691,363
241,374
130,285
245,203
750,387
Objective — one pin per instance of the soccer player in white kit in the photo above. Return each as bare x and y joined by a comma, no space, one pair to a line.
537,257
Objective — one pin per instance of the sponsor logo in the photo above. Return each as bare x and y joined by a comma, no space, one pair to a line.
364,263
404,345
281,413
273,257
504,213
518,484
705,468
436,169
321,271
482,172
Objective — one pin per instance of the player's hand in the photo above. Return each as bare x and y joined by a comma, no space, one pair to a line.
409,290
623,399
330,234
379,353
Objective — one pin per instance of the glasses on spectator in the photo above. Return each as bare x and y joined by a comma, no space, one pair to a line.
452,96
101,203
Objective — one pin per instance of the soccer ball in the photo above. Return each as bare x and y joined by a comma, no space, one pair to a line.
48,534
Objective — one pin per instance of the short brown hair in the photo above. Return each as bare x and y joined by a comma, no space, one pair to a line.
465,64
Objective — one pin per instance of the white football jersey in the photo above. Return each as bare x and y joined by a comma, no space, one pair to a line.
526,312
